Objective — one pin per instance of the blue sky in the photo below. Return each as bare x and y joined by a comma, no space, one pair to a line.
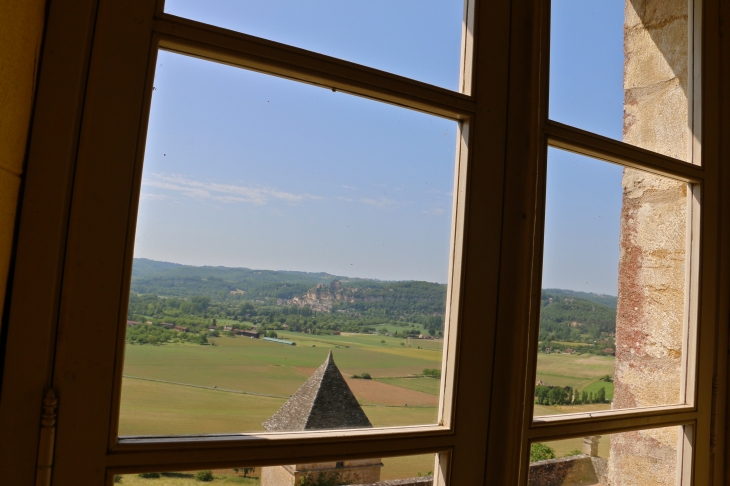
420,39
244,169
583,203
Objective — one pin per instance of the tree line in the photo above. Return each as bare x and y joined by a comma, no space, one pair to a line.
199,313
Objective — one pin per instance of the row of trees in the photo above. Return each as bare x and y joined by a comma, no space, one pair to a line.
570,318
201,312
599,347
432,372
555,395
563,331
543,452
155,334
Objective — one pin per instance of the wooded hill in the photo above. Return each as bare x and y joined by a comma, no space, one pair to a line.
173,290
224,283
566,317
176,280
603,299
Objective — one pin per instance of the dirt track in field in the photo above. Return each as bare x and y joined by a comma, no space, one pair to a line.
375,392
371,391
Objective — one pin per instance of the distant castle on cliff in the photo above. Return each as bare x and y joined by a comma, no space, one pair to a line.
321,297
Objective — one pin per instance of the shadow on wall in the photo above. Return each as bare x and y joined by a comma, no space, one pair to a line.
653,26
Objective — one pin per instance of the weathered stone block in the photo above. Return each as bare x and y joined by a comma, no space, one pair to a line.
644,457
419,481
653,13
657,113
566,471
653,246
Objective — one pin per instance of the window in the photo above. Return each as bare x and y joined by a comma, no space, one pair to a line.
612,309
516,148
342,221
614,328
607,459
431,432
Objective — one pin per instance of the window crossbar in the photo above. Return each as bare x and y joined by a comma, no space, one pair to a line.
589,144
236,49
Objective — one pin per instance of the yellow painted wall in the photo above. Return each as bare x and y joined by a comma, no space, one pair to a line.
20,39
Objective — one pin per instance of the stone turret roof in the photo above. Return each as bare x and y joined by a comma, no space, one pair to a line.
324,401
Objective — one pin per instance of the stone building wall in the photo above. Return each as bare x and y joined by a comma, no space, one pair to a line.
365,471
567,471
277,476
651,314
419,481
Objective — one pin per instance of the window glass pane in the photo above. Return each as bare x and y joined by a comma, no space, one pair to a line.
621,69
402,471
612,315
414,38
290,240
640,457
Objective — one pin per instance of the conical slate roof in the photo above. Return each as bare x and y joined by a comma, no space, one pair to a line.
324,401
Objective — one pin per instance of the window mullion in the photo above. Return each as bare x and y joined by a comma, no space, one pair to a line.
591,145
214,43
195,452
573,431
430,434
590,424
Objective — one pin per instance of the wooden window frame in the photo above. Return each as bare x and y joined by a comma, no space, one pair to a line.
704,361
73,256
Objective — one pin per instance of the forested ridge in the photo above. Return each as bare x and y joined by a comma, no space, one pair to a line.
196,296
236,284
566,317
603,299
175,280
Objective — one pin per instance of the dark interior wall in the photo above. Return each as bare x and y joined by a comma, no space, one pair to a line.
20,44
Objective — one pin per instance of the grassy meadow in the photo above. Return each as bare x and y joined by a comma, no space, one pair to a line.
393,468
577,371
235,384
228,477
269,373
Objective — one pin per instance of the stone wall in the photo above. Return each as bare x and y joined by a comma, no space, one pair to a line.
277,476
420,481
566,471
365,471
651,314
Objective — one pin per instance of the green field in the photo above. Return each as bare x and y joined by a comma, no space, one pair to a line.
393,468
169,389
423,384
577,371
188,479
574,344
596,385
275,370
